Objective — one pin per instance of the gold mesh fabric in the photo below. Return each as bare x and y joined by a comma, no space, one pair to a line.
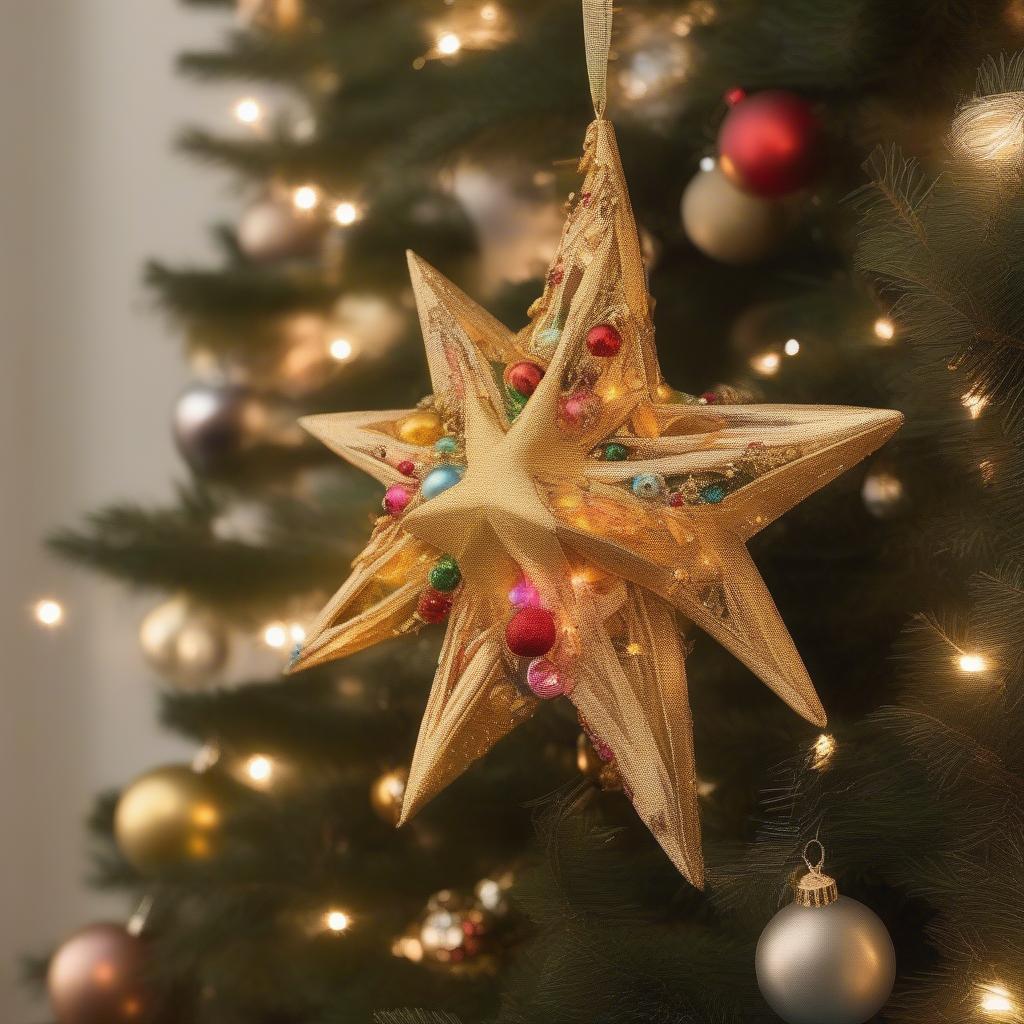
622,572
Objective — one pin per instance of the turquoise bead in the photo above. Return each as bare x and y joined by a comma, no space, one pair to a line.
446,446
713,494
440,479
550,335
646,485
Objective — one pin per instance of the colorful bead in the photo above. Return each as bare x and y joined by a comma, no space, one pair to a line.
556,275
524,377
433,606
579,409
440,479
421,427
646,485
406,467
713,493
543,680
531,633
524,594
446,446
709,397
396,499
676,499
615,452
550,336
445,575
603,340
515,403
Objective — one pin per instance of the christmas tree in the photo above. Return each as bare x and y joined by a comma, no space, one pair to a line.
822,201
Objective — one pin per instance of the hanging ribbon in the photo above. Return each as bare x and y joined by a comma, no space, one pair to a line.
597,34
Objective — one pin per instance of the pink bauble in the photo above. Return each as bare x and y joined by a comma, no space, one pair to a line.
531,633
524,377
579,409
543,679
396,499
524,594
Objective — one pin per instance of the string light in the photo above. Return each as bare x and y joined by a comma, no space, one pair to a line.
248,111
259,768
337,921
306,197
791,347
767,363
995,999
885,329
48,612
275,635
297,632
822,751
974,402
345,213
448,44
972,663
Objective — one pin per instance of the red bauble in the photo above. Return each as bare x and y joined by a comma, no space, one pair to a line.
603,340
530,633
769,144
524,377
434,606
406,467
96,977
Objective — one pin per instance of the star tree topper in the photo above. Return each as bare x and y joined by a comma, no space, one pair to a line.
618,507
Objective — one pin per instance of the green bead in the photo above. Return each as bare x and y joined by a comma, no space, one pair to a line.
445,575
515,403
616,452
446,446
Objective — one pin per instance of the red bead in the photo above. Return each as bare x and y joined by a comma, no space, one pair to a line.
556,275
710,397
406,468
530,633
769,144
603,340
675,500
433,605
524,377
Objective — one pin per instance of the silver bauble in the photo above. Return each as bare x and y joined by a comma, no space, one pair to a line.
729,225
214,423
825,959
185,644
272,229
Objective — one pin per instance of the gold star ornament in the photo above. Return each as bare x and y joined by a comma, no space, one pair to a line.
570,516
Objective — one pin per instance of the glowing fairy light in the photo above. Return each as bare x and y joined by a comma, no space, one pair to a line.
767,363
448,44
340,349
48,612
248,111
991,128
995,999
306,197
791,347
974,402
707,163
297,632
345,213
822,751
275,635
885,329
259,769
972,663
337,921
490,12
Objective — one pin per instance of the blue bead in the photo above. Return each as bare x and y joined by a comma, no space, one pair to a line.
446,446
550,335
646,485
713,493
440,479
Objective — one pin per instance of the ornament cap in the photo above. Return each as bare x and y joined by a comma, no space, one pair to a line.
815,888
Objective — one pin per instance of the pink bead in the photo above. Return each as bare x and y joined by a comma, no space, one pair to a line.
543,679
396,499
524,595
579,409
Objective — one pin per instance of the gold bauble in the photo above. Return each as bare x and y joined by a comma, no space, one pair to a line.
387,793
184,643
422,427
167,817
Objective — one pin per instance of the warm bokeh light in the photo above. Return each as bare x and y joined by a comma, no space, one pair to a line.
707,163
995,999
337,921
297,632
791,347
448,43
974,402
306,197
340,349
259,768
822,751
885,329
275,635
345,213
489,12
48,612
972,663
767,363
248,111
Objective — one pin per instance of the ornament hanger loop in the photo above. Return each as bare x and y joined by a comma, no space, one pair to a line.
815,869
597,35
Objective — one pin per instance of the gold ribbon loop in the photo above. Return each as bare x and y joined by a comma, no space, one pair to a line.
597,34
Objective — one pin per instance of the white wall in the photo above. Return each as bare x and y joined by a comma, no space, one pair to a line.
88,188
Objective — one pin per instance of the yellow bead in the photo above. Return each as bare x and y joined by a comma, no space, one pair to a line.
664,393
422,427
